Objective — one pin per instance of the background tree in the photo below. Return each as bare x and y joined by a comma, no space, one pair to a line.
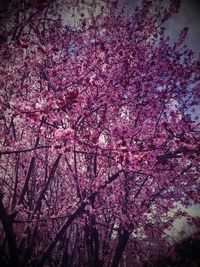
97,142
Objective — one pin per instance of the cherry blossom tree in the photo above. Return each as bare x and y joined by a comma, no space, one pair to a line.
98,140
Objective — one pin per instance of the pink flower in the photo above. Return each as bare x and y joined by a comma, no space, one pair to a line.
63,134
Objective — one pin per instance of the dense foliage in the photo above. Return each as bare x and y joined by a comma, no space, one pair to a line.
98,143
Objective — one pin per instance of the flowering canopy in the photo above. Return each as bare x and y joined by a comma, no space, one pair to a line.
98,143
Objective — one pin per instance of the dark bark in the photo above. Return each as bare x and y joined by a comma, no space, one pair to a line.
65,256
96,247
121,245
42,194
79,211
32,242
92,243
14,200
25,187
10,235
60,233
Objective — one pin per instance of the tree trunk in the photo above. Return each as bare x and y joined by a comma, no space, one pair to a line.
121,245
10,235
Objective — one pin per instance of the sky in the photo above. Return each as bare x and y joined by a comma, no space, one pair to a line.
188,16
